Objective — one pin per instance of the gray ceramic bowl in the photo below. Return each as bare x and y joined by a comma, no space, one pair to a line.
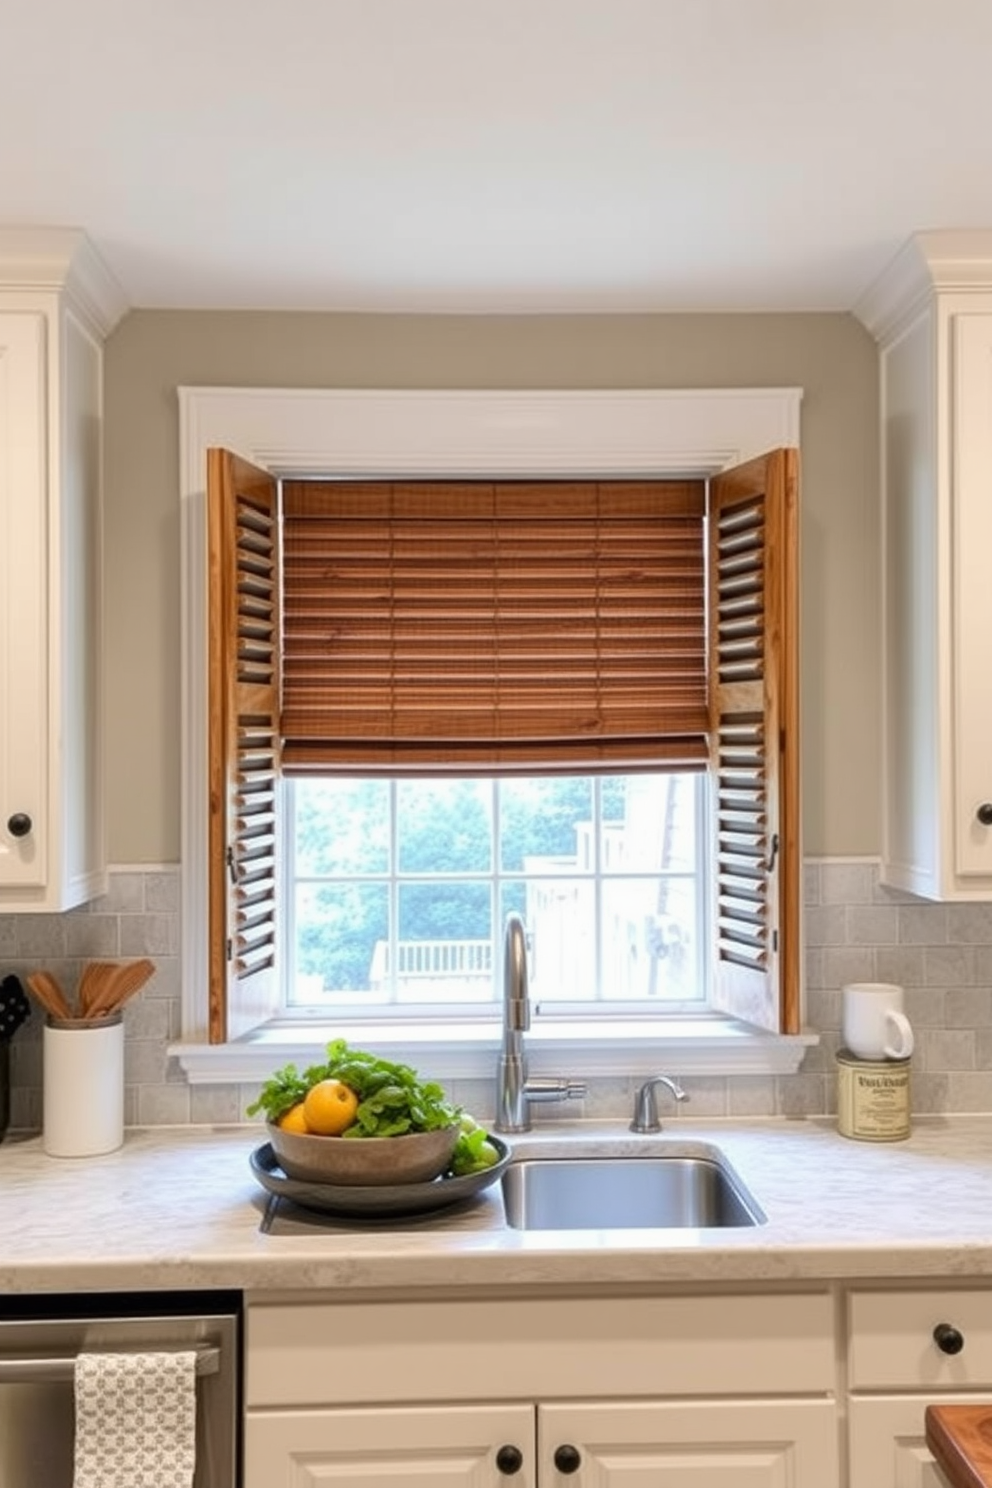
416,1158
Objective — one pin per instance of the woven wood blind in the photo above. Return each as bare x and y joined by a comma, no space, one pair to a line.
493,627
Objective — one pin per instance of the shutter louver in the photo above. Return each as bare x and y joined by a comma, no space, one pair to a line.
245,744
754,769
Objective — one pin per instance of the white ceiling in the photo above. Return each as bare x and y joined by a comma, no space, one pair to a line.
526,155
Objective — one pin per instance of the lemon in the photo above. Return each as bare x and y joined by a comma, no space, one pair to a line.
294,1120
329,1108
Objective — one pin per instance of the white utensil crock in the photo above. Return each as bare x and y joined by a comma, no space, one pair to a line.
83,1092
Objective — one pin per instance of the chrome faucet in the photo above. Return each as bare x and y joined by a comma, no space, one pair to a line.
514,1091
646,1103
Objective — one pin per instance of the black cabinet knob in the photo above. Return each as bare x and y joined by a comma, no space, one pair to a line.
19,825
984,813
568,1459
948,1339
509,1460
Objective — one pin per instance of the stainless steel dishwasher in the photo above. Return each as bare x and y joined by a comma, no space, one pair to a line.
40,1337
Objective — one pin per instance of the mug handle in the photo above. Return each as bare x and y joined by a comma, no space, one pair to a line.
902,1042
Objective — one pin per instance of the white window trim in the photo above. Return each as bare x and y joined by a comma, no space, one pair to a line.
446,433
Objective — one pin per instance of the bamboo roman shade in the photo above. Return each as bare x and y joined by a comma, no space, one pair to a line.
475,626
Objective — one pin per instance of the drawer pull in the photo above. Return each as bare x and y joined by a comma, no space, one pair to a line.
509,1460
948,1339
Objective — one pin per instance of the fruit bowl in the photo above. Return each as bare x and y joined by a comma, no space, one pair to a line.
364,1161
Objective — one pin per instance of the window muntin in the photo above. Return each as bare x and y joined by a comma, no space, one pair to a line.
400,890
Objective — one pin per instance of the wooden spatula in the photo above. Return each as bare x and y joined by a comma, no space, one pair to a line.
119,986
131,979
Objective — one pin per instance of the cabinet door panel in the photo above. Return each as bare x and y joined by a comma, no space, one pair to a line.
972,618
24,759
888,1442
732,1444
453,1447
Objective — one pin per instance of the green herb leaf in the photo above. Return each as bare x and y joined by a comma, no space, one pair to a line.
391,1099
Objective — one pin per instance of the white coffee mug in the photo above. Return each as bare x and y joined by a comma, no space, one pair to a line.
874,1023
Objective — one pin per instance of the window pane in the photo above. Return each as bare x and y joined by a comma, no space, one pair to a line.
342,826
560,916
444,826
407,910
546,824
649,824
648,940
444,952
342,930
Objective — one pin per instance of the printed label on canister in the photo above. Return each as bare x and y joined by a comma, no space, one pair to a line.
872,1098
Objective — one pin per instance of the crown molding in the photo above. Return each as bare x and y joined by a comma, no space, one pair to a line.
63,260
939,261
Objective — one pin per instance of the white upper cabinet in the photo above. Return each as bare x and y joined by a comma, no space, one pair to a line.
931,314
57,303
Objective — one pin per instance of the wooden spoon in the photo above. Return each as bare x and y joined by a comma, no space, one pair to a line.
91,982
48,992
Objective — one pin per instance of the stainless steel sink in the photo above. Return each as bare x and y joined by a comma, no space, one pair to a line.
608,1193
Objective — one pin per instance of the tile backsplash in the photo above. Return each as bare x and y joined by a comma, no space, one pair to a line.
856,930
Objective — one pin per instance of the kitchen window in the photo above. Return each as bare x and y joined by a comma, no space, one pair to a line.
387,705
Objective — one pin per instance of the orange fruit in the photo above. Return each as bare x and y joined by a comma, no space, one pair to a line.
329,1108
294,1120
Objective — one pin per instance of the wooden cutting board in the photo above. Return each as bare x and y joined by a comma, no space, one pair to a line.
960,1438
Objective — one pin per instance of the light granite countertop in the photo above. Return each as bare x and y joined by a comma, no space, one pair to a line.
179,1208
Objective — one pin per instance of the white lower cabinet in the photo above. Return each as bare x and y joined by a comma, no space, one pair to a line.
888,1445
392,1447
592,1444
690,1444
641,1392
908,1349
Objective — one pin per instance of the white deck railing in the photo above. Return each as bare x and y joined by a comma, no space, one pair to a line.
432,961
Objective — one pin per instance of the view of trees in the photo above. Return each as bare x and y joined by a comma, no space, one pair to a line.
450,839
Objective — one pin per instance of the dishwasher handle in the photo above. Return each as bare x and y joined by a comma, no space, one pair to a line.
29,1370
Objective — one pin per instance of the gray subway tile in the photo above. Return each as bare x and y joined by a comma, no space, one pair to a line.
872,924
843,964
970,924
949,966
826,925
846,883
922,924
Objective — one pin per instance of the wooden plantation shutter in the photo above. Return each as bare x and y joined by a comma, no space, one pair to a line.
493,627
754,623
244,745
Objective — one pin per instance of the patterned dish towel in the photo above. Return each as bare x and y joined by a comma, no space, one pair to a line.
135,1420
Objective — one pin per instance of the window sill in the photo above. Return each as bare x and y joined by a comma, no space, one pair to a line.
689,1046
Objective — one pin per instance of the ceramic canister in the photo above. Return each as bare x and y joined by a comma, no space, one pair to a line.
872,1098
83,1086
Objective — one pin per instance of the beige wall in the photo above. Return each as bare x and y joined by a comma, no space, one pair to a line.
830,356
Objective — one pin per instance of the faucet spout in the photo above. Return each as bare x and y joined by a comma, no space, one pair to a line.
514,1092
512,1114
516,995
